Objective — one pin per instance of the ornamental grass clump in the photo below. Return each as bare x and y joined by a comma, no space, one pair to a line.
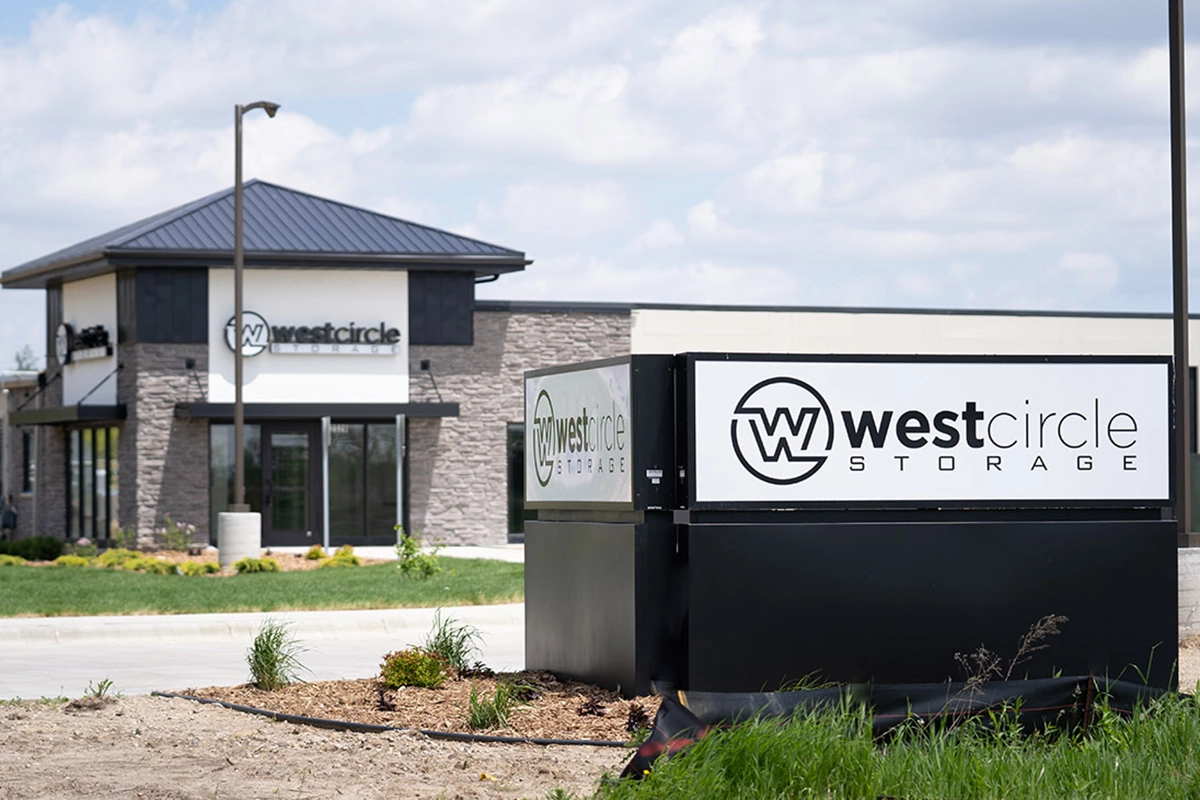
249,564
273,658
194,568
456,642
315,553
415,666
491,711
72,561
10,561
151,566
116,557
344,557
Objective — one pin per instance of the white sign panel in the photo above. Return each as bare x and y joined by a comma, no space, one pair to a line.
85,344
305,335
577,436
895,431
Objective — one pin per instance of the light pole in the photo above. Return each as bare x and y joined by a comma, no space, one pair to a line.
1183,419
239,416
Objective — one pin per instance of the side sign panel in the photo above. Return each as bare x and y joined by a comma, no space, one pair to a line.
577,436
894,431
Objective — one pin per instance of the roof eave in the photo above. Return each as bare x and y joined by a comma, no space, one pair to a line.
46,274
109,260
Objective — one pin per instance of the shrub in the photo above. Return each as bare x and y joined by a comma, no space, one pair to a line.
413,562
73,561
249,564
116,557
452,640
124,538
10,561
415,666
175,535
81,547
198,568
315,553
35,548
344,557
273,657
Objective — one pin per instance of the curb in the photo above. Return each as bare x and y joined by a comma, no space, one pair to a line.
416,622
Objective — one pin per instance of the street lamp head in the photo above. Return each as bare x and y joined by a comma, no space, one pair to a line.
265,105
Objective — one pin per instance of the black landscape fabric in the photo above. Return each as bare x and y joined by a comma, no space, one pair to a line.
1064,702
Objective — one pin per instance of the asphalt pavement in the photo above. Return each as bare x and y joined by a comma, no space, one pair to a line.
61,656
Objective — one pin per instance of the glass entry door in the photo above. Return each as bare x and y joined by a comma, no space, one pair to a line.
291,488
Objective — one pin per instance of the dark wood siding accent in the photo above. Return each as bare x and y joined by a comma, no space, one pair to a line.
127,306
172,305
54,318
441,308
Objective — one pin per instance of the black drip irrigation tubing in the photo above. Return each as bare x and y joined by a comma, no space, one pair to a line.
366,727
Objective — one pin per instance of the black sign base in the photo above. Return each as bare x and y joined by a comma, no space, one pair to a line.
770,605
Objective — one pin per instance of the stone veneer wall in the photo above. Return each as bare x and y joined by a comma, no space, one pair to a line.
457,477
51,488
163,459
13,444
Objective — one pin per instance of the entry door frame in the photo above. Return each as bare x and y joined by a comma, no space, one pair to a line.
314,532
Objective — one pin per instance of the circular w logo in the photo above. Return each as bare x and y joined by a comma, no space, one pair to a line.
782,430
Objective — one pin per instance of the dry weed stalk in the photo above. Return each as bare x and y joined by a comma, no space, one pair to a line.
1035,639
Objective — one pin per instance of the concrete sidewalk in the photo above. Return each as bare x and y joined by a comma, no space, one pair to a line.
48,657
53,656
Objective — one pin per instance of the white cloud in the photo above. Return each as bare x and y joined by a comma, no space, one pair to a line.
788,185
581,116
1095,273
662,233
561,210
985,154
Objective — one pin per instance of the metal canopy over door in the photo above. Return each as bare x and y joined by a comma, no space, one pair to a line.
291,488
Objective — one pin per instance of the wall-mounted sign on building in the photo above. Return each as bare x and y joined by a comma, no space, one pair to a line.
85,344
324,339
782,430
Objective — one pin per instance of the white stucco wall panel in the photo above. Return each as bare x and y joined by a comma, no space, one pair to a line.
87,303
297,297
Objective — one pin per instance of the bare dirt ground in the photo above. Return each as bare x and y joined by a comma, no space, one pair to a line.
173,748
170,749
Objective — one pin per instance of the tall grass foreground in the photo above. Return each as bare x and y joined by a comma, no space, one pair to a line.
831,754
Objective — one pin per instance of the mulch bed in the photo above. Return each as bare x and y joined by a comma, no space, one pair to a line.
556,709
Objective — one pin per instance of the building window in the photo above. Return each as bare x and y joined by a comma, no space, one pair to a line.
28,462
222,468
92,482
1192,403
362,483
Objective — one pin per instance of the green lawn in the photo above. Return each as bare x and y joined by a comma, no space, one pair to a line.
74,591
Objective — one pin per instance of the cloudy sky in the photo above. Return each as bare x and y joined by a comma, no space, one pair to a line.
999,154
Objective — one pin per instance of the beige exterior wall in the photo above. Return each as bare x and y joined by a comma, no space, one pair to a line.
661,330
